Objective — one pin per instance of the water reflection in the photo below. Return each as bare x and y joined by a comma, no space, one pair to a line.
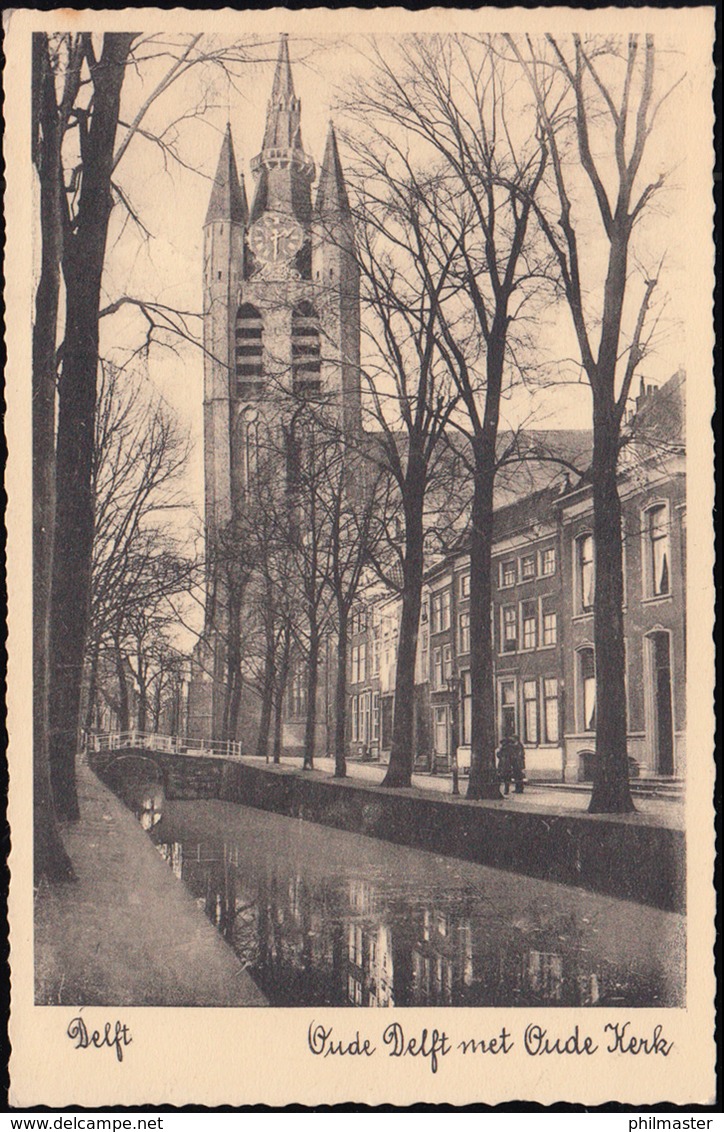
323,917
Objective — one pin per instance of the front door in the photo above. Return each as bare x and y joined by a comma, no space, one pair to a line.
663,715
442,731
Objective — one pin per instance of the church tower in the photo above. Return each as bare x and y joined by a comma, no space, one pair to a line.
281,329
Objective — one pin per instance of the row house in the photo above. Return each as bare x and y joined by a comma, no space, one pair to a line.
542,623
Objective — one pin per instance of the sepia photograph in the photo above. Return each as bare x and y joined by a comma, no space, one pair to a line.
360,377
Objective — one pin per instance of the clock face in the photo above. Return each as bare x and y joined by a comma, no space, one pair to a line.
275,238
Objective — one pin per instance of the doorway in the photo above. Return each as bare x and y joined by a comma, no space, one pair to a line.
663,722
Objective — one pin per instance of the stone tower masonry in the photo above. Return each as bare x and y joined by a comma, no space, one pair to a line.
281,324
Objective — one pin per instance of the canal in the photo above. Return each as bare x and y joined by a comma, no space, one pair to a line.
322,917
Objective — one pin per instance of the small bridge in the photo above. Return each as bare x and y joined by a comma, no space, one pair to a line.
143,756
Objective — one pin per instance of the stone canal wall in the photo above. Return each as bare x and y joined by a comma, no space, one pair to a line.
629,857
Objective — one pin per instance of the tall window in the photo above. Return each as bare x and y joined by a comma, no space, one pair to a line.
657,533
527,567
548,561
364,717
376,643
464,632
464,585
466,708
510,628
550,627
424,655
508,724
375,716
441,611
306,351
447,662
587,697
550,710
530,711
528,618
249,353
507,573
251,447
355,719
437,668
585,573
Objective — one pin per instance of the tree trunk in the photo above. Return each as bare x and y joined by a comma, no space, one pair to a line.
310,727
281,688
340,697
83,259
399,772
50,859
142,703
232,705
483,782
611,792
124,711
92,689
267,692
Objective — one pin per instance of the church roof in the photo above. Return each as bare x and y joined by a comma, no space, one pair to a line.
228,198
332,191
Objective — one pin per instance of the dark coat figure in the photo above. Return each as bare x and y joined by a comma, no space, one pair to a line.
511,763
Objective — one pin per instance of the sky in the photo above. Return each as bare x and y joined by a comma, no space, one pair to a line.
171,199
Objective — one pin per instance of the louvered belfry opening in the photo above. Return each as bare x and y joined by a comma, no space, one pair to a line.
249,359
306,351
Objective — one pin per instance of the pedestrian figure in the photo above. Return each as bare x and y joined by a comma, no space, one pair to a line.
505,766
517,763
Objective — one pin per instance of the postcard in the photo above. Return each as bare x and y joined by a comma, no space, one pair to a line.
360,584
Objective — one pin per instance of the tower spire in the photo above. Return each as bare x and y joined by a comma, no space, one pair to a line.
332,191
283,171
228,197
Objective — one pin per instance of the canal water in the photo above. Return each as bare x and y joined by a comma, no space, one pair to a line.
322,917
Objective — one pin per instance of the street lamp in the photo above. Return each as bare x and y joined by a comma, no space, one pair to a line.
453,687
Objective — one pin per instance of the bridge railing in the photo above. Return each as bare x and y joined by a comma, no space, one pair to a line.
163,744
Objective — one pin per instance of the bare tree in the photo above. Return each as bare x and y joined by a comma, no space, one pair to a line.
80,137
407,398
599,98
455,95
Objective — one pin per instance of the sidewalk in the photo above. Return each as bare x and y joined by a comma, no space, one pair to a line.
650,811
128,933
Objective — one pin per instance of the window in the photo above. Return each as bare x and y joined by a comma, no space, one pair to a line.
359,658
530,711
464,632
550,628
249,353
251,447
507,573
587,697
466,707
510,628
441,611
376,643
585,574
447,667
375,716
528,618
355,719
364,717
306,353
437,668
550,711
298,696
508,724
548,561
527,567
657,534
424,655
464,585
